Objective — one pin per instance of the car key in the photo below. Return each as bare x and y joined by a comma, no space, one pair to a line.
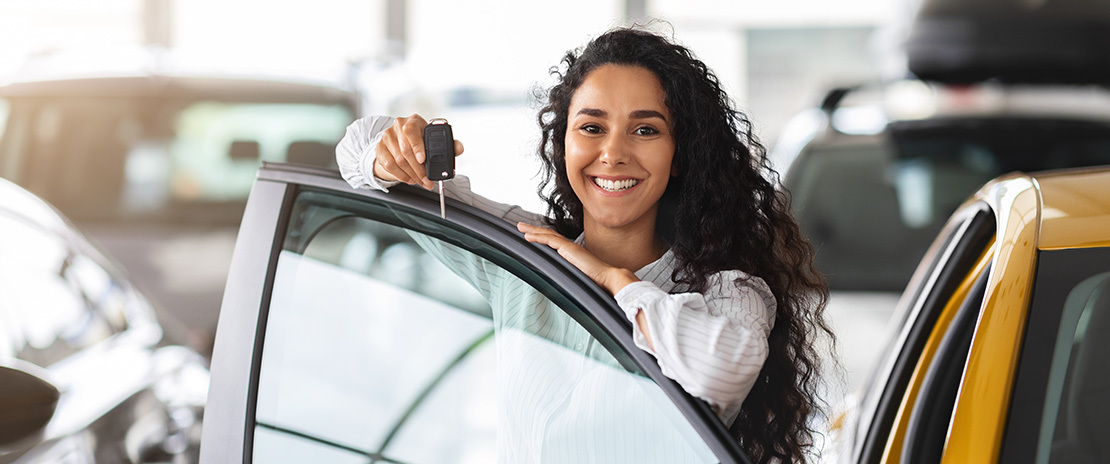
439,160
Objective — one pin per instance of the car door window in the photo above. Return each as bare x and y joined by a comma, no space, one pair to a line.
1059,410
387,345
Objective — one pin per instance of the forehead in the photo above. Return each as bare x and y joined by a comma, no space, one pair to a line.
620,88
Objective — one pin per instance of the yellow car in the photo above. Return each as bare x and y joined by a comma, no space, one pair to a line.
997,356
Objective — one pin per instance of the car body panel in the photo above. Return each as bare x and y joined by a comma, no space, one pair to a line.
120,388
1032,214
230,426
985,392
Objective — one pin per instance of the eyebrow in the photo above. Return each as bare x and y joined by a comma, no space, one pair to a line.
638,114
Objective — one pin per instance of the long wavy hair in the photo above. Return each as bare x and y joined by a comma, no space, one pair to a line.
723,211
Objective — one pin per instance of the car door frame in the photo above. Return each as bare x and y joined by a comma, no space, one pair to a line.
229,416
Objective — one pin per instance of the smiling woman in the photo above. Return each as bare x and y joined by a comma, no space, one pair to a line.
657,191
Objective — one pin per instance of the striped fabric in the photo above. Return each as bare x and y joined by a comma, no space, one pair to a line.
713,344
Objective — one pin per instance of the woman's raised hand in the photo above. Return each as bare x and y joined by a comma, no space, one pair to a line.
400,153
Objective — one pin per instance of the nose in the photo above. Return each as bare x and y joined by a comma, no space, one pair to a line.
614,151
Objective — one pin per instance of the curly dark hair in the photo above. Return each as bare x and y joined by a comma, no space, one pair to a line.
722,212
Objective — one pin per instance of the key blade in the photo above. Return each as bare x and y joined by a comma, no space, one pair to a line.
442,206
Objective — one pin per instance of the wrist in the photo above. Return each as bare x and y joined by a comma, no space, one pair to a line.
618,278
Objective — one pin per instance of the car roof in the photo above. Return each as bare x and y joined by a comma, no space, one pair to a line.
18,201
912,100
156,85
147,72
1071,207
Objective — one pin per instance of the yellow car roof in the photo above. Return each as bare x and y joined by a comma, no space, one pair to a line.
1072,206
1076,209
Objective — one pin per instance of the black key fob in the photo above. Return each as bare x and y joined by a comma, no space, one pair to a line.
439,150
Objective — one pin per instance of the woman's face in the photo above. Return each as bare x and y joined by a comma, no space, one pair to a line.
619,146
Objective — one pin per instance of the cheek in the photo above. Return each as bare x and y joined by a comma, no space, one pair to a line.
576,158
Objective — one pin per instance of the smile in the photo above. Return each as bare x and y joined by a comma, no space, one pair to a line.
615,185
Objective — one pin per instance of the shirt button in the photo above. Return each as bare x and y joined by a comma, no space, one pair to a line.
581,347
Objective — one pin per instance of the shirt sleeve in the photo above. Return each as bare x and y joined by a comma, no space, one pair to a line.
355,156
713,344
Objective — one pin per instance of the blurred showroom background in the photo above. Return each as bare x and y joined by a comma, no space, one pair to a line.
478,63
774,58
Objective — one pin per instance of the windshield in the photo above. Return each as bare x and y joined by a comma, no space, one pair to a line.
117,158
872,205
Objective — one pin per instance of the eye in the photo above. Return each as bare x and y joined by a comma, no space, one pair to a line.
590,128
646,130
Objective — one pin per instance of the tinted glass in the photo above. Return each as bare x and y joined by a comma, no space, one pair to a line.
54,299
872,206
121,158
1060,412
380,346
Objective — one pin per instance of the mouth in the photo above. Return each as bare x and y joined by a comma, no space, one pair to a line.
615,185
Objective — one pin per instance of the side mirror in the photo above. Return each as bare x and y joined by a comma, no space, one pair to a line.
27,401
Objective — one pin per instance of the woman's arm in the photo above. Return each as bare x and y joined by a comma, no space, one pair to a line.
713,344
357,154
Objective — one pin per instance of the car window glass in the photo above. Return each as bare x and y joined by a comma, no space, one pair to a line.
97,158
861,248
58,300
380,345
1058,411
871,205
1074,424
217,146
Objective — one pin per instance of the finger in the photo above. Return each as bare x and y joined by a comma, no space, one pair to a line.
386,161
544,239
535,230
458,148
393,159
543,236
412,132
383,157
406,157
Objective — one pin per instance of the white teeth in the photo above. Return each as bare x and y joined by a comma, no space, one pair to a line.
615,185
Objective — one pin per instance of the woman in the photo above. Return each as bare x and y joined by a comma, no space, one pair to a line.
649,169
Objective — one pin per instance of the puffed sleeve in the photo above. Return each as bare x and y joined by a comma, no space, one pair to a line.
355,152
713,344
355,156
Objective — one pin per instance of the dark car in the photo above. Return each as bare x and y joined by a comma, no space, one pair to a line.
990,87
83,375
154,160
343,339
881,168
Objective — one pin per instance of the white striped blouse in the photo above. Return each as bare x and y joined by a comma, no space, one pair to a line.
713,344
